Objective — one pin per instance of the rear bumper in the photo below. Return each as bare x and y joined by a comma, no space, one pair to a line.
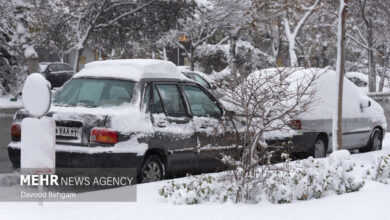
84,157
302,143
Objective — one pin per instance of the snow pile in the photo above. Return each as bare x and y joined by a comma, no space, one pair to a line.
38,143
131,119
36,95
281,183
131,69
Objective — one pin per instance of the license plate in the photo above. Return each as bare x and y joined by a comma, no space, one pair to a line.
67,132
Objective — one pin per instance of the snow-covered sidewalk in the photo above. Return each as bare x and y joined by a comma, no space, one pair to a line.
372,202
6,103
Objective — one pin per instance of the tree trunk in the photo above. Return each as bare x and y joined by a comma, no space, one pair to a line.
292,54
385,62
337,138
371,62
232,54
78,54
192,61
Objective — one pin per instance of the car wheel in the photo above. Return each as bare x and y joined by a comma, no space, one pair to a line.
319,149
375,142
152,169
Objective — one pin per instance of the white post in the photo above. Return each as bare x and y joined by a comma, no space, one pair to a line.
178,56
165,53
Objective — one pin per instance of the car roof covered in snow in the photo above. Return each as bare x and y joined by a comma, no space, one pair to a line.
132,69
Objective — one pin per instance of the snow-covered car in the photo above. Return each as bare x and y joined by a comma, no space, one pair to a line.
136,113
202,78
364,122
56,73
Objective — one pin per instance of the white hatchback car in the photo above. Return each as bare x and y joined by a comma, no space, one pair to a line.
364,122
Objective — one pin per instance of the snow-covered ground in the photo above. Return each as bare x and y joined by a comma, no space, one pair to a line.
372,202
6,103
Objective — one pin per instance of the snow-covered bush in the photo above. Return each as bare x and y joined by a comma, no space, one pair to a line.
280,183
193,191
313,179
212,57
380,170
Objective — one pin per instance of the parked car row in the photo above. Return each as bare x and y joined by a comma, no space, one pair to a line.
149,115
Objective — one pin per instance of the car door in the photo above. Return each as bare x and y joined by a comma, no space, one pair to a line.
174,131
357,132
216,133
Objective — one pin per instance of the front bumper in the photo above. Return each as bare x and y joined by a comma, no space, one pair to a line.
68,156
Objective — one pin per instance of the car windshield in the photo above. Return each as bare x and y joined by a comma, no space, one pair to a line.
94,92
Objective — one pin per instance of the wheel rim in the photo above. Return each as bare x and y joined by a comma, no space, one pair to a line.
319,149
376,142
152,172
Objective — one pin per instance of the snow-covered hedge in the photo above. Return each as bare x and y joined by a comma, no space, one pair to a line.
281,183
380,170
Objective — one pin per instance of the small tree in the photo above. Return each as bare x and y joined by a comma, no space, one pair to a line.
192,32
265,101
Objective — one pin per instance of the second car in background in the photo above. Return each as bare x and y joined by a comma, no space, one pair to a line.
56,73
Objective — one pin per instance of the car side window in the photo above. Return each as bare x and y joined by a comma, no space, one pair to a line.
53,68
157,106
172,100
61,67
147,98
68,68
200,103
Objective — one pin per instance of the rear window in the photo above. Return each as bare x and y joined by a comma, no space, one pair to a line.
95,93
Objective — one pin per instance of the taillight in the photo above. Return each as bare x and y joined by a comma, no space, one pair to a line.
103,135
295,124
16,131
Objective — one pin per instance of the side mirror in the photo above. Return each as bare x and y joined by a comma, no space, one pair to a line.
365,104
230,113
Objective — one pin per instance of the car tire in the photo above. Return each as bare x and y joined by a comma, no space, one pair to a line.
320,147
375,142
153,169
